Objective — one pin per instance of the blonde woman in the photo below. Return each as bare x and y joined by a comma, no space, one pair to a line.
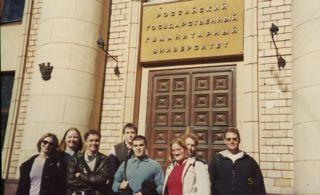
185,176
71,144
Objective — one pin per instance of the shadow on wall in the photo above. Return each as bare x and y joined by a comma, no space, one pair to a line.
278,80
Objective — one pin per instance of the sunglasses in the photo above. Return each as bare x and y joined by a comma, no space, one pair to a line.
45,142
235,139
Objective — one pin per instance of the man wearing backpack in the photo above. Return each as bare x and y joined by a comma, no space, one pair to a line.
233,172
139,175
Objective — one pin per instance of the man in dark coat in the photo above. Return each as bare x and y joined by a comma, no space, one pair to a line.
89,172
122,151
233,172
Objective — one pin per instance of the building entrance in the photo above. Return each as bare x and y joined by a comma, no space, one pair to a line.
198,100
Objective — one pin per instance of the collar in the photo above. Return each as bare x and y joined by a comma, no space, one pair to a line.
189,161
87,158
145,158
69,151
233,157
127,144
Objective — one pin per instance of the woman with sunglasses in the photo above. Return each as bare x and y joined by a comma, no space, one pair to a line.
42,173
185,176
70,144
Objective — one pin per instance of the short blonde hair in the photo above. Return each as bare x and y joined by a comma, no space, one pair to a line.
180,142
193,136
231,130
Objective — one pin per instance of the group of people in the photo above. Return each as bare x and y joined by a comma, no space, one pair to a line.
66,168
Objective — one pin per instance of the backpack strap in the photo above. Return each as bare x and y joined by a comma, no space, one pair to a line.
125,169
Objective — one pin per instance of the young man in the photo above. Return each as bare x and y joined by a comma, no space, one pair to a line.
192,142
120,152
232,171
89,172
142,174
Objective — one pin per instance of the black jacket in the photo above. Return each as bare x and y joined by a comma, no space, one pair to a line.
243,177
64,156
97,180
52,181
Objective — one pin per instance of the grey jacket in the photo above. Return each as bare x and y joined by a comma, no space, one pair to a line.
195,178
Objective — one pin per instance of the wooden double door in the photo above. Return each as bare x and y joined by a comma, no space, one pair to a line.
198,100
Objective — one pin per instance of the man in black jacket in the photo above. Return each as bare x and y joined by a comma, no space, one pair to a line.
89,172
233,172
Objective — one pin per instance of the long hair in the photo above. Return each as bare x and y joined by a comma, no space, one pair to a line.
62,147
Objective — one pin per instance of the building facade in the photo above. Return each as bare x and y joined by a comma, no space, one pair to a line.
170,67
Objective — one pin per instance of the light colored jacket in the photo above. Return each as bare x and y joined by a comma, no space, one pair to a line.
195,178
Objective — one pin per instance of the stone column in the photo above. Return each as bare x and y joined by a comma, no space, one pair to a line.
306,95
67,36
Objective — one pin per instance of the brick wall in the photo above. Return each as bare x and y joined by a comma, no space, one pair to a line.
26,84
275,96
114,90
119,92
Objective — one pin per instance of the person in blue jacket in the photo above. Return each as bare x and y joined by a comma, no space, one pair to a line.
139,175
233,172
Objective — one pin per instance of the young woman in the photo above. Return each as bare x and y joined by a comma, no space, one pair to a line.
42,173
71,143
185,176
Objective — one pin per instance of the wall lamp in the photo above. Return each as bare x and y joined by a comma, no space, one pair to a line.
102,45
281,61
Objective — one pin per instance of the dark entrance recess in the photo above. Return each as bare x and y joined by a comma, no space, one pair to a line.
201,100
7,79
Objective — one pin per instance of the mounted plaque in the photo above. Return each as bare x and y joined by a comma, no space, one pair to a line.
191,30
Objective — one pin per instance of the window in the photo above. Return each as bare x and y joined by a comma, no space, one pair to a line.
7,79
12,11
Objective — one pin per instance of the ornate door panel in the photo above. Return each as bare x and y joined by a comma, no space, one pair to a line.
200,100
211,109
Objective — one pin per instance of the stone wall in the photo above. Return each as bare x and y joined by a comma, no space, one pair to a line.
25,78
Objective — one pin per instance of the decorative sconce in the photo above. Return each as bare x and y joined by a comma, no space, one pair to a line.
46,71
102,46
281,61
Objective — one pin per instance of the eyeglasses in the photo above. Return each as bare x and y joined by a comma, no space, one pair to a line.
235,139
176,150
45,142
